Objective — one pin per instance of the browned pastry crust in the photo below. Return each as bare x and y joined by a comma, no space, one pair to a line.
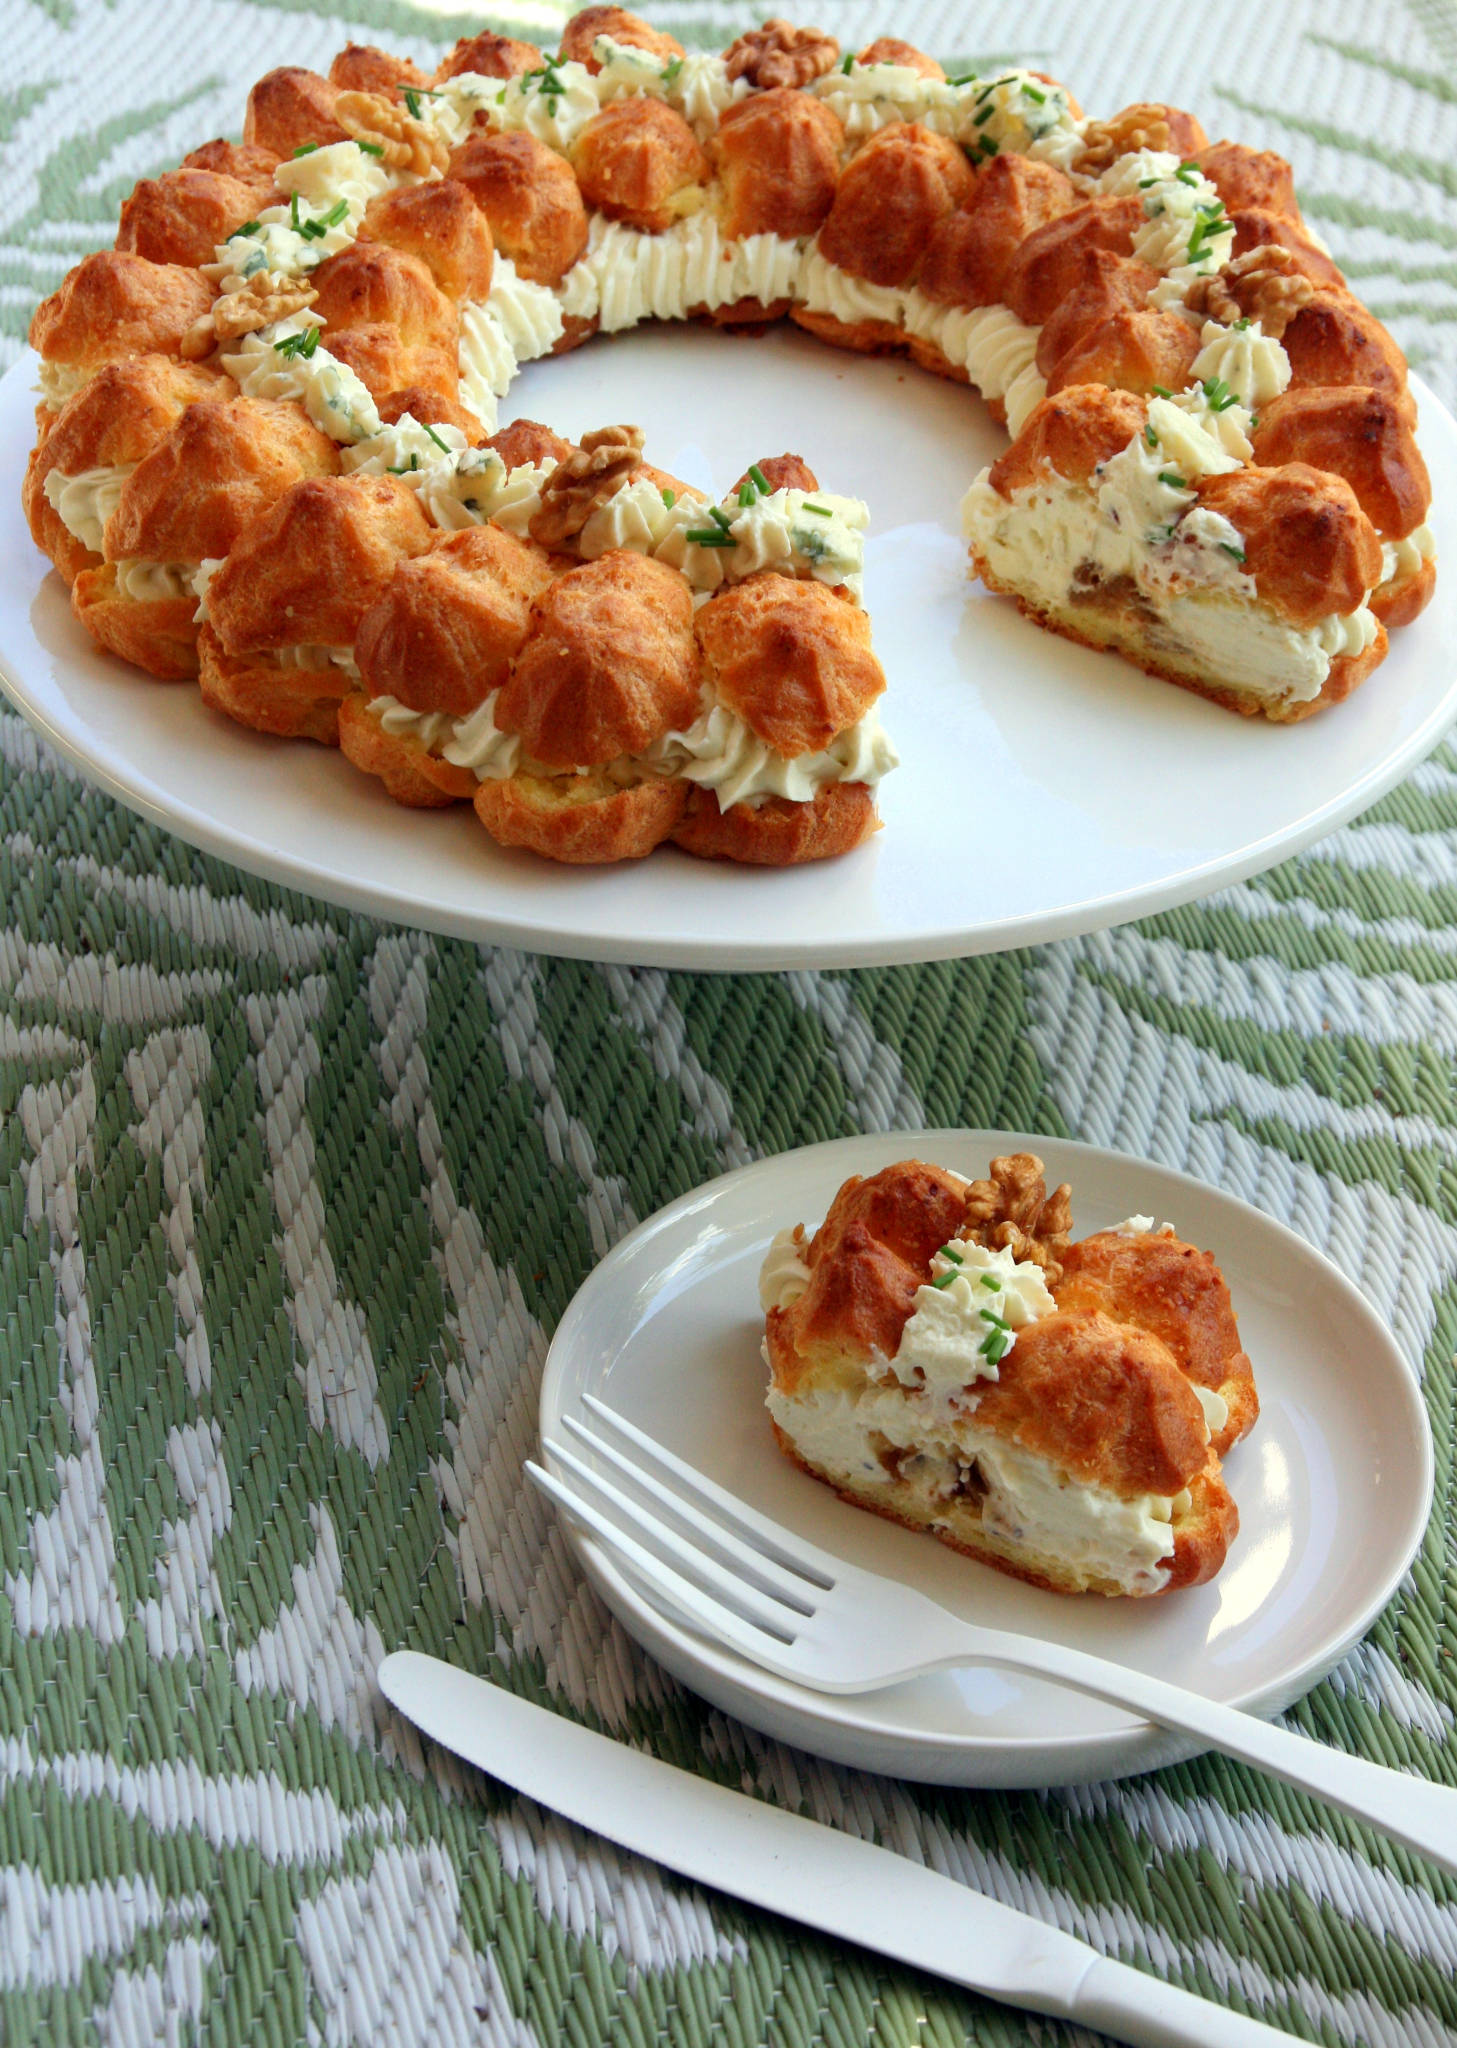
291,106
530,198
119,417
791,658
584,820
1404,598
439,225
970,251
1049,263
383,363
890,197
1100,285
778,54
1128,350
362,67
156,634
891,50
183,215
1363,436
490,55
310,569
864,337
778,833
529,441
444,632
1334,340
582,31
372,284
638,161
1259,228
609,666
115,304
1069,434
224,463
782,473
250,164
411,774
1309,546
777,155
1177,1293
1250,179
431,409
290,703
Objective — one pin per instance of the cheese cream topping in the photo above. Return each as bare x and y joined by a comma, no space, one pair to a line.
475,742
784,1276
1251,364
1015,111
626,276
84,502
1185,232
966,1319
720,752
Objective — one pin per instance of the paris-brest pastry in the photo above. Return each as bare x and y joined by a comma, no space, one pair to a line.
942,1352
268,453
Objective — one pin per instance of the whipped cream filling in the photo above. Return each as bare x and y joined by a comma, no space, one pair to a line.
327,190
315,655
1013,111
784,1275
154,582
1027,1502
517,323
1185,232
1251,364
85,501
475,742
997,350
720,752
796,533
58,383
626,275
966,1318
1398,557
266,365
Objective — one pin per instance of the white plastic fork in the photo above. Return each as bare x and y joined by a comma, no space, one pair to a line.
794,1609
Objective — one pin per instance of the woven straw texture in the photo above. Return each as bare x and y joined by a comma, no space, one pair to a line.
290,1203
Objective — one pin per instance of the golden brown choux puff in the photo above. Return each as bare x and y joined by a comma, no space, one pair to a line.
113,305
1071,435
440,225
291,106
431,409
1257,227
303,576
489,56
182,216
361,67
1047,266
610,666
777,157
891,50
528,441
440,639
1105,332
246,161
387,319
530,198
1247,179
639,162
582,31
970,251
1334,340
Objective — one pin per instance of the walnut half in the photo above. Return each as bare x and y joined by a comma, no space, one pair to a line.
583,480
1137,127
1265,284
778,54
261,302
404,143
1012,1210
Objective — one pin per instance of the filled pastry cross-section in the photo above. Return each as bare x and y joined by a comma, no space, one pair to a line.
269,453
942,1352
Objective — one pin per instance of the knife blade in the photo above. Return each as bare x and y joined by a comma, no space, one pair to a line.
836,1883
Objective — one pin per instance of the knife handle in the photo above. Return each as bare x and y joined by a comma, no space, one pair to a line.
1147,2013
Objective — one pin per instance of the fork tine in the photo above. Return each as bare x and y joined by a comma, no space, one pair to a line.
793,1552
629,1523
762,1571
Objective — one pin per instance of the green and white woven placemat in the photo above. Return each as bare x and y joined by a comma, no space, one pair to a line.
291,1202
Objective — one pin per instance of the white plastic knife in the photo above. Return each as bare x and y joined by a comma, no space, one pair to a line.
836,1883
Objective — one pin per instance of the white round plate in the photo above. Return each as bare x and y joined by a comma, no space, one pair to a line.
1044,789
1333,1486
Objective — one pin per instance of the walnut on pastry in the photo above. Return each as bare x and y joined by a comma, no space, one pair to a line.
889,1383
778,833
1258,228
489,56
1145,125
1248,178
225,462
1010,1209
778,54
530,198
444,631
970,251
1265,284
1159,1283
114,421
610,664
440,225
114,304
638,161
362,67
248,162
583,820
183,215
289,107
790,658
153,631
777,158
1048,264
584,478
310,568
582,31
1308,545
893,192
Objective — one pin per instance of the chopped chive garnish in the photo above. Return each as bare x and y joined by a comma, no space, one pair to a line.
949,1251
747,495
710,537
1218,394
849,60
1034,92
990,1282
671,71
1241,325
670,499
757,477
371,148
1145,183
1188,172
1162,391
945,1280
1176,483
306,149
293,219
983,117
719,517
412,101
989,1315
298,344
1236,554
405,468
1151,437
249,227
437,440
987,146
820,511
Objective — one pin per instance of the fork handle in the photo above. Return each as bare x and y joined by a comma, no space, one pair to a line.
1411,1810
